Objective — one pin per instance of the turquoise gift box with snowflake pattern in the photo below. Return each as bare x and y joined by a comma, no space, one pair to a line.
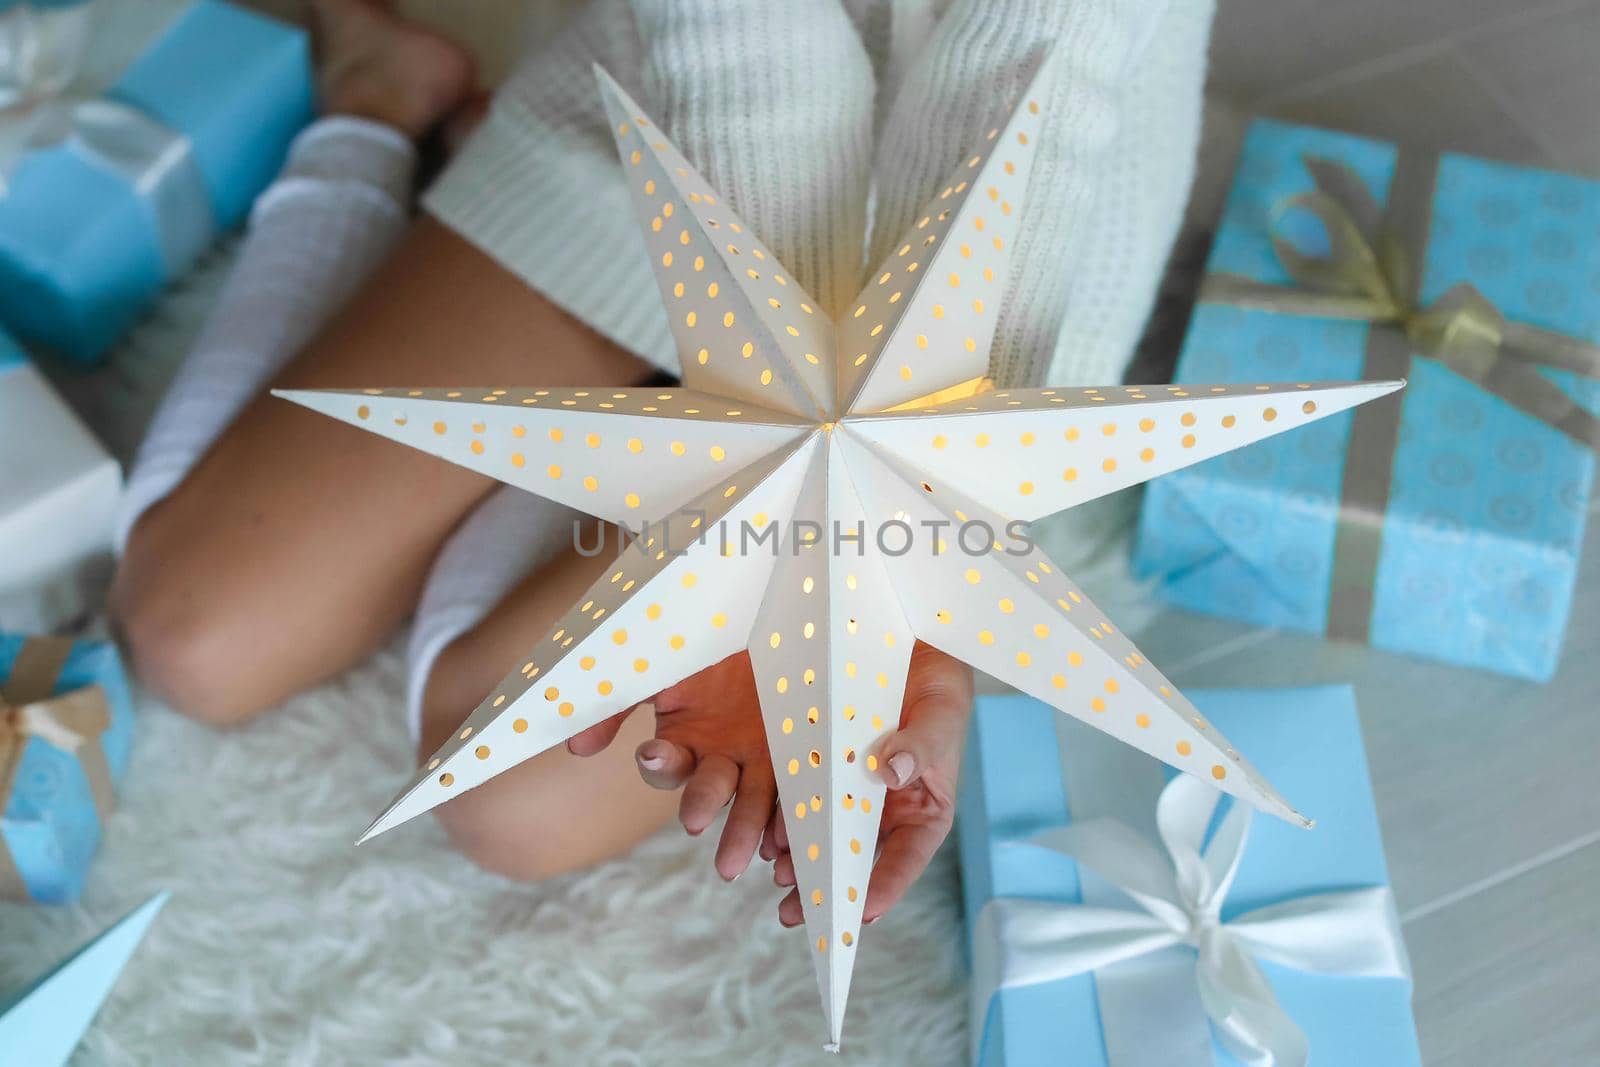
1474,545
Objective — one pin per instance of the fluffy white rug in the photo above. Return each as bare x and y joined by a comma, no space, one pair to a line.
283,944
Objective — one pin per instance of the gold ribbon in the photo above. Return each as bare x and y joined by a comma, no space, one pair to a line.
1372,274
72,722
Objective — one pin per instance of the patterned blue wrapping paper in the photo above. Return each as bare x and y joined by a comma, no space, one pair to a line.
80,253
49,821
1484,527
1308,742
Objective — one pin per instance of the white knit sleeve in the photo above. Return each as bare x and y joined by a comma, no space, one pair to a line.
1114,163
737,87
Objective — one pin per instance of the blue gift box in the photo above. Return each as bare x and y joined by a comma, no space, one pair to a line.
49,823
82,252
1484,523
1307,741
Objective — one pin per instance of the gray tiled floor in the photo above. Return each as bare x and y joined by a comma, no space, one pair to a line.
1507,79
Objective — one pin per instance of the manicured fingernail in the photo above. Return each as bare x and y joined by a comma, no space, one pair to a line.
652,763
872,920
903,765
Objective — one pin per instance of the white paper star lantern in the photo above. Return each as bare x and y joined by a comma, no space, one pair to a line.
877,435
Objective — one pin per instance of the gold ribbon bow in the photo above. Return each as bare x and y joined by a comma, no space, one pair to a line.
72,722
1371,273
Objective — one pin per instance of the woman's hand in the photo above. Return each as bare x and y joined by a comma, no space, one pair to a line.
710,740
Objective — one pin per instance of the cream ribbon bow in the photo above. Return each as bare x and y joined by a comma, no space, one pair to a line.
73,722
1180,888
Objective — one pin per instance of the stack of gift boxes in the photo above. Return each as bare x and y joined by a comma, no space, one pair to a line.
1114,916
105,198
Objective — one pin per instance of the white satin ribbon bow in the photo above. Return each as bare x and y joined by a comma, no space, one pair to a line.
156,160
1180,890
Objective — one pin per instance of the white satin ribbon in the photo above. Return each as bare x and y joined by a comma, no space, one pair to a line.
151,157
1180,889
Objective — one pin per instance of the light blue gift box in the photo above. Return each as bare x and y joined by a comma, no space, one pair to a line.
82,253
1484,525
49,822
1307,742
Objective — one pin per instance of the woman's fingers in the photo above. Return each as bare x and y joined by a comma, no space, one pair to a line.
907,850
769,837
752,809
933,722
594,740
783,870
664,764
790,913
708,791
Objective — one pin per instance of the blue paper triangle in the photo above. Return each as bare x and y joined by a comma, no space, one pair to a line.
44,1024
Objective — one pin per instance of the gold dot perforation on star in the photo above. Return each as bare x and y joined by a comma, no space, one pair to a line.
926,317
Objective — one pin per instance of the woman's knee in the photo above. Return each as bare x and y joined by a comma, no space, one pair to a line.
187,641
499,827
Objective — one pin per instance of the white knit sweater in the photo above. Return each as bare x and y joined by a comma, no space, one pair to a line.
815,116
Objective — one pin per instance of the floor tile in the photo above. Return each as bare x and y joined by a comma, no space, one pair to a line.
1546,73
1508,976
1435,102
1260,47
